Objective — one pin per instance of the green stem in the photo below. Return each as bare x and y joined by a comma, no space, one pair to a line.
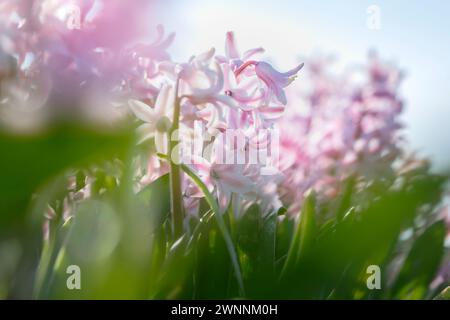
220,222
175,175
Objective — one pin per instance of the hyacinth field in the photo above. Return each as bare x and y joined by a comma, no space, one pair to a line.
127,174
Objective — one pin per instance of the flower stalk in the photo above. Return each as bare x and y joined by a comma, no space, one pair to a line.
221,224
176,200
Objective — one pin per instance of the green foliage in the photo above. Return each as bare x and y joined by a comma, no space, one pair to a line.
444,295
28,161
123,241
421,264
34,169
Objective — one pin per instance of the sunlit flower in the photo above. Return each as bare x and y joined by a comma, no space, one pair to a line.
157,120
224,179
232,55
274,80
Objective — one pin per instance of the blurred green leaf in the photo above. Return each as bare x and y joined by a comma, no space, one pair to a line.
156,198
422,263
213,276
303,236
443,295
27,161
256,240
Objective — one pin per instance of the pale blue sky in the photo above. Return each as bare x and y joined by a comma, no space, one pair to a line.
414,34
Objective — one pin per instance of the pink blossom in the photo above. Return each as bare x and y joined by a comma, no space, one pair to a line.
157,120
232,56
225,179
345,128
274,80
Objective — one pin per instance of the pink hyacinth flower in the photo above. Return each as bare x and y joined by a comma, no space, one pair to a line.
232,56
225,179
275,81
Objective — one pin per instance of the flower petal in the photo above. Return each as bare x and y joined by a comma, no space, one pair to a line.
142,111
223,197
164,101
230,46
161,142
250,53
145,132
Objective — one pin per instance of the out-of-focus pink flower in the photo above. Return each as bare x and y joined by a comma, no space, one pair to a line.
341,126
82,50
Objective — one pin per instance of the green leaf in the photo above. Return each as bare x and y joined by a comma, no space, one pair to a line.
155,196
304,235
422,263
27,161
220,223
256,240
443,295
214,270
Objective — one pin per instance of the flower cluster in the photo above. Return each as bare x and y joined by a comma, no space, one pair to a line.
341,127
67,51
72,58
220,94
337,128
